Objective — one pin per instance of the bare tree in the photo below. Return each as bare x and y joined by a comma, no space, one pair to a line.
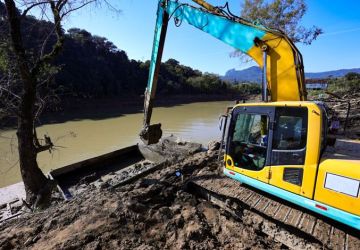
26,69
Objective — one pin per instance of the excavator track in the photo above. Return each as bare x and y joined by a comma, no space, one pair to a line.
293,223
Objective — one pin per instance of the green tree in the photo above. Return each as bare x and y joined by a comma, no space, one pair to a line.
352,76
284,15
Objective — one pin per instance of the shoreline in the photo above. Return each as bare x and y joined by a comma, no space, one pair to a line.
103,108
103,128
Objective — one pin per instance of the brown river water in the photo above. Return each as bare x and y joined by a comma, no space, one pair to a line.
82,139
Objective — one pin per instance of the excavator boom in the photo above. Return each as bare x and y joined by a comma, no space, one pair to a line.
284,71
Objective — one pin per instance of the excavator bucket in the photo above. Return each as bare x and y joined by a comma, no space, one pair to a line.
151,134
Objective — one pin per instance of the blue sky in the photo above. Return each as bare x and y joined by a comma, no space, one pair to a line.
132,31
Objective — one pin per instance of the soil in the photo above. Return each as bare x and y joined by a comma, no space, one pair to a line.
155,212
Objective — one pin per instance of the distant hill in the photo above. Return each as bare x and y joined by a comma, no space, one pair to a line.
332,73
253,74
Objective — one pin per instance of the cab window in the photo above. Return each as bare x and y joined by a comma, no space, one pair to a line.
290,134
249,141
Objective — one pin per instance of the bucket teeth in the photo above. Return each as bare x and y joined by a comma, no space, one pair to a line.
151,134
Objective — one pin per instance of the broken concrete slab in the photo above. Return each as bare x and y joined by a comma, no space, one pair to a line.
12,192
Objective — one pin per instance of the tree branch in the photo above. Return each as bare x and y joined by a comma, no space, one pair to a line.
60,38
32,6
77,8
17,41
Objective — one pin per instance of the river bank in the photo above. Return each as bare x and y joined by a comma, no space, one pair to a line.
160,210
155,212
82,138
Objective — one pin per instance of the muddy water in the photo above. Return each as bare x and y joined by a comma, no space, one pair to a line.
82,139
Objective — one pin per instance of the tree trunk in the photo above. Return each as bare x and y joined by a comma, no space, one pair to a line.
34,180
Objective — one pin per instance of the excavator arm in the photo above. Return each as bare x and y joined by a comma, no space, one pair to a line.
151,134
274,52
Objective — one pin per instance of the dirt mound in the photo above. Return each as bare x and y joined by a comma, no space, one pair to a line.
153,213
345,108
169,148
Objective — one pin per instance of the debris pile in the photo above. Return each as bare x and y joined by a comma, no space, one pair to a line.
346,109
154,212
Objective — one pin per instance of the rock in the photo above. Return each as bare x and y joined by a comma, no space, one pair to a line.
213,146
166,212
135,206
88,179
89,238
104,185
50,225
94,245
193,230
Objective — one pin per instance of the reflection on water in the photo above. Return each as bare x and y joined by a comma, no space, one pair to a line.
79,140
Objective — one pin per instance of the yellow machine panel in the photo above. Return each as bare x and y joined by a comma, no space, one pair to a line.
262,175
281,69
308,170
277,179
338,184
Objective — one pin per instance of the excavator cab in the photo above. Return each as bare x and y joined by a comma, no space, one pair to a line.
263,136
278,147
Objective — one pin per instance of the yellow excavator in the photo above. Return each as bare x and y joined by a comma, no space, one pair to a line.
276,145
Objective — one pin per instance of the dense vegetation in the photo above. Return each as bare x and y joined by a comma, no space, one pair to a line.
341,87
91,66
349,84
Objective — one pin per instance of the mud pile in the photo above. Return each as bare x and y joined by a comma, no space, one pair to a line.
346,108
353,128
155,212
